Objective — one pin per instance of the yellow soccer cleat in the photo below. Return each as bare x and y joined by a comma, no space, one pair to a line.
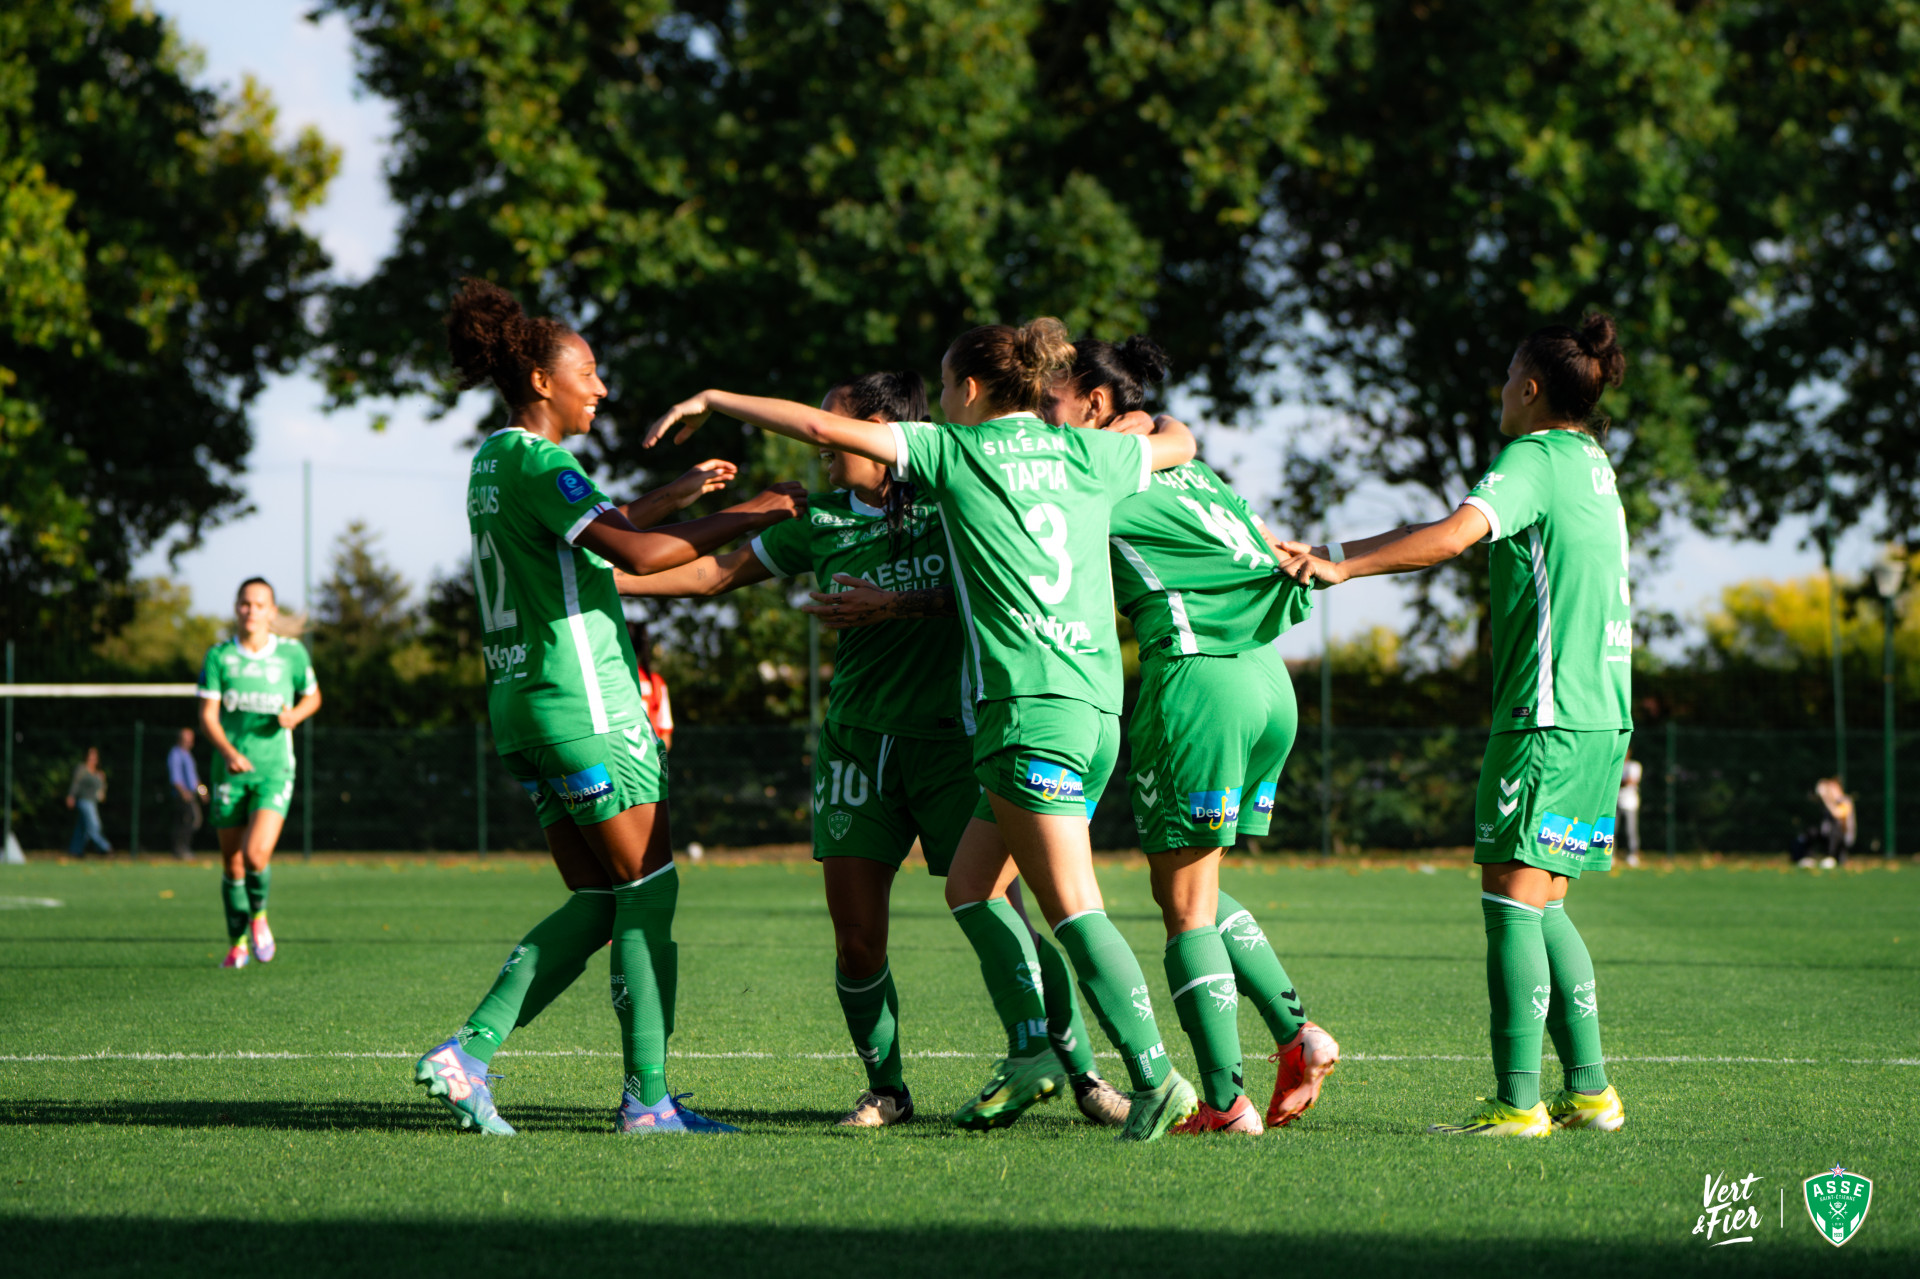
1570,1109
1497,1119
1017,1084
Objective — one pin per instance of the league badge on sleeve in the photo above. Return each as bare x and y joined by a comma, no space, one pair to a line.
1837,1200
574,486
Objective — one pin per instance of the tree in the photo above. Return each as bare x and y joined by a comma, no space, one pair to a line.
155,275
164,638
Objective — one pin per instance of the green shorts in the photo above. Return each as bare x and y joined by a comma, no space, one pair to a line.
236,796
1546,799
875,793
1209,736
590,779
1044,754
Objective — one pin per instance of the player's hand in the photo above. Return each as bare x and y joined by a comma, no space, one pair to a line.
690,415
1134,423
1308,569
703,479
784,501
238,763
858,602
286,719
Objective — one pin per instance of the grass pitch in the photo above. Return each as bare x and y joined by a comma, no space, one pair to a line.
1762,1023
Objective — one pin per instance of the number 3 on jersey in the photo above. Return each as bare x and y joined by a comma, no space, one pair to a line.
1054,542
497,616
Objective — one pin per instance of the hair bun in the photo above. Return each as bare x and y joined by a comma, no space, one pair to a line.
481,327
1141,356
1599,338
1042,347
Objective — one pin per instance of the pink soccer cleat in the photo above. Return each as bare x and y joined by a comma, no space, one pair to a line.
1305,1061
262,939
1240,1117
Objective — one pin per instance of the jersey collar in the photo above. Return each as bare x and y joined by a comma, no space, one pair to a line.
273,642
861,508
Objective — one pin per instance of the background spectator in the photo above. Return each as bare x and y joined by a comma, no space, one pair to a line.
84,793
653,687
187,794
1626,809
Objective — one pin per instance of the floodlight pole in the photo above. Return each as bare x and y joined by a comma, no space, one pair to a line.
1833,649
1326,721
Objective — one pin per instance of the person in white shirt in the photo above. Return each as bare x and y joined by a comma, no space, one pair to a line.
1627,808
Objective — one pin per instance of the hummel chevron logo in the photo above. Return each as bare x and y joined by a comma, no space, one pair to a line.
636,747
1507,787
1507,806
1149,794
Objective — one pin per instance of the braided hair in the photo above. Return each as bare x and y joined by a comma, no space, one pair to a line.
897,397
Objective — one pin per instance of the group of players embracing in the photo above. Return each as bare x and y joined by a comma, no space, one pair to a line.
973,569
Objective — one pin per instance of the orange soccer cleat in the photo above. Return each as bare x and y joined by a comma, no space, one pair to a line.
1305,1061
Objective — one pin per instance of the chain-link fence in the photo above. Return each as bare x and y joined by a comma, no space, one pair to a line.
364,789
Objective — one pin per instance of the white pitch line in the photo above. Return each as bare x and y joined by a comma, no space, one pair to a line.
27,1058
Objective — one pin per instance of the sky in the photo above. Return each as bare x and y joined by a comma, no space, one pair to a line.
407,483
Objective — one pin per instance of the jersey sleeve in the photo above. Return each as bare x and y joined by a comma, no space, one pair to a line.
210,675
1516,489
786,548
559,496
919,452
301,669
1122,463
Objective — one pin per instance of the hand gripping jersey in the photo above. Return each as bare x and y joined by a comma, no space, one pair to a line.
252,689
1562,611
559,664
900,678
1026,508
1192,572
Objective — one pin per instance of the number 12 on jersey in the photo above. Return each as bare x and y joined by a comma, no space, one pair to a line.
497,616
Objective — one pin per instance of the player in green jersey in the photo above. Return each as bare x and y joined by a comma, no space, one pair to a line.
1562,651
1025,510
565,706
894,762
254,689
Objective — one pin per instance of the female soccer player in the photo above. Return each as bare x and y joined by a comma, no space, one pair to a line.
1025,510
565,707
255,688
1562,647
893,762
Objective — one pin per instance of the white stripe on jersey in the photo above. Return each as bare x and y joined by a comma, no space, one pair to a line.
577,626
978,677
1175,605
1543,676
580,525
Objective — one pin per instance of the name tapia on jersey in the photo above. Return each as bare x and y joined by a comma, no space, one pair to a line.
1217,808
1067,635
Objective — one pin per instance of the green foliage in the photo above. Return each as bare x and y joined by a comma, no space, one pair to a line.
154,277
164,639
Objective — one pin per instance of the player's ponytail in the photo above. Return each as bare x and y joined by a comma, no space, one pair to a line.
1126,370
1013,366
1576,366
493,340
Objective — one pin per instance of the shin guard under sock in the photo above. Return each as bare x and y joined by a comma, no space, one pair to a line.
1113,984
642,938
1065,1026
233,896
1258,972
258,882
1574,1019
1208,1005
547,959
1518,987
872,1009
1011,969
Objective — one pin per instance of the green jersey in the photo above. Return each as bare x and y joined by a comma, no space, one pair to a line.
1562,612
1192,572
901,678
1025,508
559,664
252,689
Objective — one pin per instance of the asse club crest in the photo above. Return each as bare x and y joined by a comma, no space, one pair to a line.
839,823
1837,1200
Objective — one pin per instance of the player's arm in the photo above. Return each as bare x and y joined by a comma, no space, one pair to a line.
708,575
302,710
861,603
803,422
1431,545
1347,549
1169,439
210,725
614,538
650,508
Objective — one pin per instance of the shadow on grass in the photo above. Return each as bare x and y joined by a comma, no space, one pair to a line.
315,1116
577,1249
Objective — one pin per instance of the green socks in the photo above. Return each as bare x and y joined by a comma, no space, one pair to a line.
1111,979
233,896
1574,1019
643,980
1518,987
872,1009
1208,1003
1065,1027
1257,971
1011,969
546,962
258,881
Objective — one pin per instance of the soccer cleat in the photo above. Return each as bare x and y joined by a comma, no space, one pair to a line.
238,956
1497,1119
1100,1101
1239,1117
1017,1083
878,1110
1305,1061
1570,1109
262,939
460,1081
665,1115
1153,1111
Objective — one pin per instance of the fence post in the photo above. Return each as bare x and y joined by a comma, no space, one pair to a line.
6,820
139,749
1326,724
480,783
1673,780
306,799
